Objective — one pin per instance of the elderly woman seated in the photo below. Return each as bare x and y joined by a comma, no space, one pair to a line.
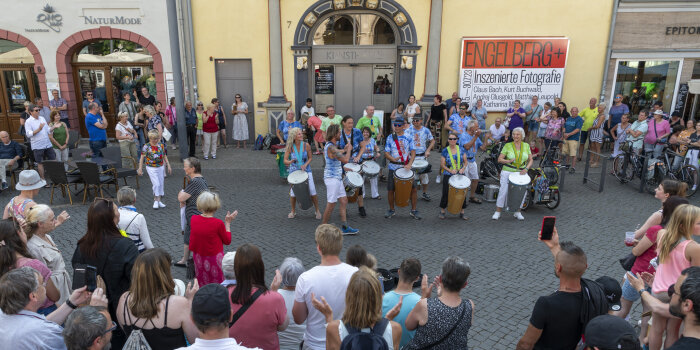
131,221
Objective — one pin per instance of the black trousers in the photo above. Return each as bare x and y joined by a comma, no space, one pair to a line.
446,192
191,138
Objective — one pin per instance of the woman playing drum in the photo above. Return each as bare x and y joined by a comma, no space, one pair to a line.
297,156
452,162
515,157
368,151
333,177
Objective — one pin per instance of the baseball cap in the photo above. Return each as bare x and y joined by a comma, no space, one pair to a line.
612,291
211,303
610,332
399,120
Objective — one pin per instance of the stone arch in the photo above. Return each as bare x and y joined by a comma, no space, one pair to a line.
68,47
39,69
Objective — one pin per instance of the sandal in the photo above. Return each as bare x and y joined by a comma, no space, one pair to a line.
180,264
474,200
291,215
461,216
441,216
318,215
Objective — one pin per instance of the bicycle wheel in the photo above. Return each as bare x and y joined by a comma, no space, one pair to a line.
490,169
653,181
554,199
618,164
528,201
689,175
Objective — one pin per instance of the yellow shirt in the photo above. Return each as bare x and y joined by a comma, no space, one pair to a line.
588,115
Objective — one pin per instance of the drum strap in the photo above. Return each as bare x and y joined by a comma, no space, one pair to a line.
452,160
297,153
398,148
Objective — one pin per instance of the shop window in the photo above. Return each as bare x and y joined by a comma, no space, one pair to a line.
122,51
14,53
642,83
354,29
696,70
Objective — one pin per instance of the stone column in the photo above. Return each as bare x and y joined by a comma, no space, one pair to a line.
276,104
433,59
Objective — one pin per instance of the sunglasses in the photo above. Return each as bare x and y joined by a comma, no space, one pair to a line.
416,121
672,290
462,109
36,110
88,94
398,125
452,139
114,326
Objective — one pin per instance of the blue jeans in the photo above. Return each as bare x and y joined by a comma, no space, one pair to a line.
97,146
142,141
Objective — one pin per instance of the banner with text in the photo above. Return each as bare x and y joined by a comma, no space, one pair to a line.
501,70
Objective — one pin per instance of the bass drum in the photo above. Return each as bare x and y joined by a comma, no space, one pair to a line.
300,185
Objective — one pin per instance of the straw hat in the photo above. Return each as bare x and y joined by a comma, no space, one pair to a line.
29,180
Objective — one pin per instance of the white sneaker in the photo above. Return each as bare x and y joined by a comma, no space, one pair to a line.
160,204
496,215
519,216
155,205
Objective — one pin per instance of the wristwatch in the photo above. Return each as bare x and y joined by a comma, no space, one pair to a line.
70,304
641,291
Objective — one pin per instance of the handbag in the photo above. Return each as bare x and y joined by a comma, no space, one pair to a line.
166,134
628,261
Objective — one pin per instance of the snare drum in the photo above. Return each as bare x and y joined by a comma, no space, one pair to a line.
352,182
370,168
357,168
459,185
517,188
419,165
403,183
300,185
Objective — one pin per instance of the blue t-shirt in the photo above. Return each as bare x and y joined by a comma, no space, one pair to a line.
455,159
86,103
355,137
409,302
459,124
284,127
406,144
334,168
96,134
464,139
572,124
421,138
616,113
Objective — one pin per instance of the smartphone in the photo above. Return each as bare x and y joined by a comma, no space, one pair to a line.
547,227
91,278
78,277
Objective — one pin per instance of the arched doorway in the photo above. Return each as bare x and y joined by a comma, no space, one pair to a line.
19,84
109,69
355,53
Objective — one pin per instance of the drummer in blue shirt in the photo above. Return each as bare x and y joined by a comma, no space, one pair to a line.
423,141
284,126
399,157
297,156
458,121
452,162
353,136
515,157
470,142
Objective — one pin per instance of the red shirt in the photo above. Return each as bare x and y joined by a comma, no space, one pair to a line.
208,235
257,327
641,264
210,125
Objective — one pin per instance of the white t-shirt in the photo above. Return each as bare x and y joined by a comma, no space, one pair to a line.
331,282
309,110
497,133
223,344
123,129
291,337
411,109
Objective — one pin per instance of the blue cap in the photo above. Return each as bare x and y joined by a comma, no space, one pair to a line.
399,120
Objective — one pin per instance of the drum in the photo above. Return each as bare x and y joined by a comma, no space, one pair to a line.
459,185
357,168
370,168
419,165
352,182
517,188
280,163
491,193
300,185
403,183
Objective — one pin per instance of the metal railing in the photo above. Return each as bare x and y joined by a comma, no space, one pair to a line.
597,179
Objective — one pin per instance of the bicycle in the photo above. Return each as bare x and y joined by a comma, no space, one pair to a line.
489,167
542,190
687,173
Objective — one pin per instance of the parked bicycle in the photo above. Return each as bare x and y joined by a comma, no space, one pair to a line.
490,168
543,189
672,167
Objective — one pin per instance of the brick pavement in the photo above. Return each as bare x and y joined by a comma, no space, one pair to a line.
510,268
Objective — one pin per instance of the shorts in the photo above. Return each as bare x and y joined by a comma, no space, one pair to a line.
424,179
584,137
629,293
472,171
200,132
533,125
44,154
570,148
390,181
312,186
334,189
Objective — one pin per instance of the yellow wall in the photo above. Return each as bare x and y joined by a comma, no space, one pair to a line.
232,29
585,23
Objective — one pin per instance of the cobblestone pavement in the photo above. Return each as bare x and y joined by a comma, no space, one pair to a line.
510,267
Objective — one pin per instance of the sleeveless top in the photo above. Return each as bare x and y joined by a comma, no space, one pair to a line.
667,272
388,333
400,114
294,154
165,338
441,318
17,209
333,167
368,152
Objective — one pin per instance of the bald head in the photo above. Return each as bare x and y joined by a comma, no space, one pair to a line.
571,261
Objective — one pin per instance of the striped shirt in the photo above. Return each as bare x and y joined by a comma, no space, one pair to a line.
194,189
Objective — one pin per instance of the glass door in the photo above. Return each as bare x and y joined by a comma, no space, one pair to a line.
94,83
19,86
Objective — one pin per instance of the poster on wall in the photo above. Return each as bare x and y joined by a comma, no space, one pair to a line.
499,70
324,79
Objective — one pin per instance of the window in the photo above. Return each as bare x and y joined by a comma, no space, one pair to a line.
14,53
642,83
354,29
121,51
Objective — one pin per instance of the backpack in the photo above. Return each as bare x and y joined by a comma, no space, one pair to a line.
374,340
259,142
136,341
267,141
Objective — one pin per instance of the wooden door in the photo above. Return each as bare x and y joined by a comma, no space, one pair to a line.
18,86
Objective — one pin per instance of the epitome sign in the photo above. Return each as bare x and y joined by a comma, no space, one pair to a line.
500,70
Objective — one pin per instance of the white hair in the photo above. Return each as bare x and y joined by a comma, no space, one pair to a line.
519,130
471,123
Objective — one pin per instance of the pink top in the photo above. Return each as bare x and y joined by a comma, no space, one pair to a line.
257,327
662,128
667,273
641,264
43,270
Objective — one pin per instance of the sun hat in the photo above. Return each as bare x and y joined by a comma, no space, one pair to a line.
29,180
